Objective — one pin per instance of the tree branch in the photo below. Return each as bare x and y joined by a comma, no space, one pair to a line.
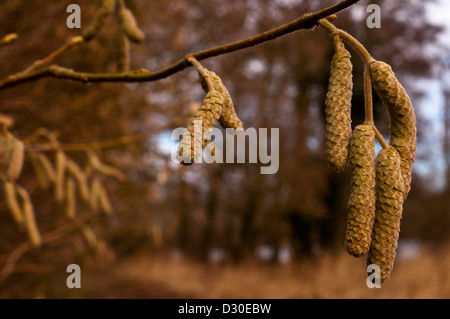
53,235
113,143
306,21
69,44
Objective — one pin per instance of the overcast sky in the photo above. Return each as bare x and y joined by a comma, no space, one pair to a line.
431,108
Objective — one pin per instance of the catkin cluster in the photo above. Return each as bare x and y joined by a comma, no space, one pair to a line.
217,106
338,105
63,174
12,151
376,193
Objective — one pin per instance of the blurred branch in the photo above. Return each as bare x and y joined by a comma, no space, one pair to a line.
8,38
50,236
331,29
82,147
306,21
69,44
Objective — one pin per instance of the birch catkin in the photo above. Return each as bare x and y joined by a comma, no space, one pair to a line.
228,118
105,203
99,20
130,26
200,125
60,171
15,160
30,220
11,156
99,198
95,194
80,177
71,199
123,52
403,119
13,204
361,203
389,206
338,107
47,166
40,173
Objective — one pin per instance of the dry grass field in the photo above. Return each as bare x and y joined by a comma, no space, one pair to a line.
326,276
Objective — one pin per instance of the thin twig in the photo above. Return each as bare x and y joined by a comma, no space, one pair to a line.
82,147
202,71
380,137
307,21
69,44
368,96
331,29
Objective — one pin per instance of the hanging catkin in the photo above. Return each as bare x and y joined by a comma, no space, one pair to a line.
13,204
204,119
80,177
11,156
338,107
41,176
99,20
30,220
105,203
403,119
130,26
95,194
123,51
228,118
106,9
47,166
60,171
6,121
16,159
71,199
389,205
361,203
99,197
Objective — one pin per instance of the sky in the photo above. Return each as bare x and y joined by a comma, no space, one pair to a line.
439,12
431,107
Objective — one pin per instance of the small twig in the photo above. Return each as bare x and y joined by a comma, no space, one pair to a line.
82,147
51,136
331,29
201,70
71,43
368,96
380,137
306,21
